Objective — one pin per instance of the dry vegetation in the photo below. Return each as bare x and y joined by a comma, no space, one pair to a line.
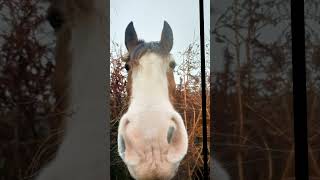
28,120
253,108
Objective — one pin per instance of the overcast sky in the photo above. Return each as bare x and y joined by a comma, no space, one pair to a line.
148,17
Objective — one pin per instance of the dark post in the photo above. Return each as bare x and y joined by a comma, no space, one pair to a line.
299,89
203,88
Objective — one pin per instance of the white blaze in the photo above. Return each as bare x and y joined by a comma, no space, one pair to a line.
150,85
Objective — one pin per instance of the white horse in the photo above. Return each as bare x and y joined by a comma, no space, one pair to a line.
80,80
152,138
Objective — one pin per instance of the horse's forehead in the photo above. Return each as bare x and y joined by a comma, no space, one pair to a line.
151,58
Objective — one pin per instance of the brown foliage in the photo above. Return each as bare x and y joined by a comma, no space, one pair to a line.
253,125
27,113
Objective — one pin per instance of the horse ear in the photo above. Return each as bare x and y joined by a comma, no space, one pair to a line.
131,38
166,41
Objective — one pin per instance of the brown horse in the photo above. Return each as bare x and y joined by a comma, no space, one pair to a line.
152,138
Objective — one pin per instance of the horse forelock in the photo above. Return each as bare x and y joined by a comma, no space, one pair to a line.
143,47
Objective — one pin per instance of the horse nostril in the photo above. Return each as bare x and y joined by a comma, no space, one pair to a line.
170,134
55,19
122,146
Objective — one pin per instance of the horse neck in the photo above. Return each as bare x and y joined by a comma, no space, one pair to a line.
82,147
88,72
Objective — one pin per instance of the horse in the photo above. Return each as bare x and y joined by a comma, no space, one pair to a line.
152,137
80,83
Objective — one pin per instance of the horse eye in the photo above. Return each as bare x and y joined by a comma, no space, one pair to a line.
55,19
172,64
127,67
